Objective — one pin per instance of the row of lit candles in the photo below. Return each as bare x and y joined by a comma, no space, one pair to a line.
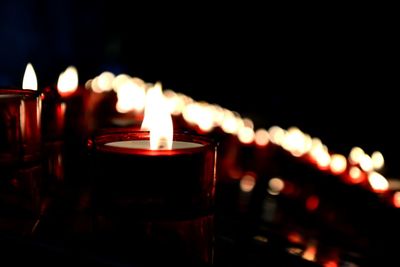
132,94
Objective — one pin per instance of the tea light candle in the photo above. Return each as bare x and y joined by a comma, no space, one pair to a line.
150,196
20,132
20,156
20,112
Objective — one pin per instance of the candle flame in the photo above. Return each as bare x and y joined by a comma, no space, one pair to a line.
310,252
378,182
261,137
157,119
275,186
338,163
248,182
68,81
396,199
29,81
131,95
356,175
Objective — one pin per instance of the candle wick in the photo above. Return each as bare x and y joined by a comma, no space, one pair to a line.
162,144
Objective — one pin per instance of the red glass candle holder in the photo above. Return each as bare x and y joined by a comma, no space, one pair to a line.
159,201
20,160
20,127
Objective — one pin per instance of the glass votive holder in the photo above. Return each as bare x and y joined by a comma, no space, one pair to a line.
154,206
20,160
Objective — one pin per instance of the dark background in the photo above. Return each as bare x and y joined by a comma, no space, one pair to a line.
331,71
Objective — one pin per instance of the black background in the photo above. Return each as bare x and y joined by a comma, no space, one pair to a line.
332,71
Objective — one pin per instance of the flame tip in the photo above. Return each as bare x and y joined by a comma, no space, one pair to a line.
29,81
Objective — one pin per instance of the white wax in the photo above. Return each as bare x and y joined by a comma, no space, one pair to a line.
9,96
145,144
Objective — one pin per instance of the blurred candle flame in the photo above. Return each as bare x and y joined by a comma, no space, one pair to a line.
378,161
261,137
310,252
157,119
275,186
356,175
338,163
131,95
247,182
356,154
68,81
246,135
312,203
396,199
29,81
378,182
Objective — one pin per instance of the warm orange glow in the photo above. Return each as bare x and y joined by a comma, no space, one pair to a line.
331,263
378,182
366,163
205,119
323,158
307,143
295,238
246,135
275,186
22,120
95,85
261,137
312,203
295,142
310,252
68,81
277,135
131,95
190,112
29,81
157,119
247,182
378,160
316,147
201,114
356,155
218,115
231,122
119,80
175,103
105,81
248,123
338,163
396,199
355,174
